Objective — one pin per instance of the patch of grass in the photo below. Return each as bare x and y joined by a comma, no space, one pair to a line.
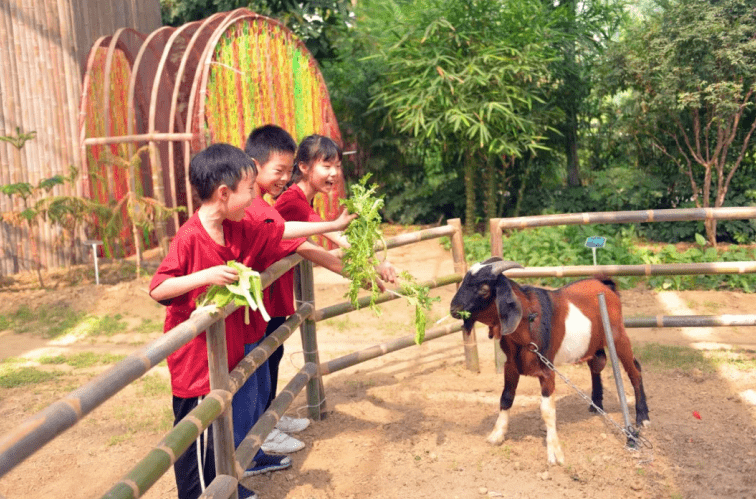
13,377
672,357
50,322
149,326
108,326
340,325
742,360
154,385
83,359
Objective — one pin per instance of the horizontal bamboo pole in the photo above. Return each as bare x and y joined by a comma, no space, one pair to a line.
142,137
344,307
222,487
692,321
42,427
640,216
354,358
254,359
636,270
248,447
149,470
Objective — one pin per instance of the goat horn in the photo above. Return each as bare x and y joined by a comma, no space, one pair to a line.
500,267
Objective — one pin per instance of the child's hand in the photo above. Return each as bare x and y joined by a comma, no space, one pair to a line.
221,275
344,218
386,271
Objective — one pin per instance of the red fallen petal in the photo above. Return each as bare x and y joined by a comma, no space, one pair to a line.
696,415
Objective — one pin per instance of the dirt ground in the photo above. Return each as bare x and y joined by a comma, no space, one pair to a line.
412,423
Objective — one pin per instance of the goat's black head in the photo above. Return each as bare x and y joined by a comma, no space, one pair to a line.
483,285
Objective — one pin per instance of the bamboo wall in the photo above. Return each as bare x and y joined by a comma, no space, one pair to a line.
43,48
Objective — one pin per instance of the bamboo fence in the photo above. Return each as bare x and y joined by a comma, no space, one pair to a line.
43,47
39,429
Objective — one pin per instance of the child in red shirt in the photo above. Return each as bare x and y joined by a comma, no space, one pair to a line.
223,177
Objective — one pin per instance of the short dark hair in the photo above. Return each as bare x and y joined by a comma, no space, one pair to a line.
268,139
313,148
216,165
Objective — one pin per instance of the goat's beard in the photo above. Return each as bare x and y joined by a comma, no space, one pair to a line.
467,325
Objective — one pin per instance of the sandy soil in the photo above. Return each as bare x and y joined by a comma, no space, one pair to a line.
413,423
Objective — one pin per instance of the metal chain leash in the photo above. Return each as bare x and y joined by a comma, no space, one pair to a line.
631,433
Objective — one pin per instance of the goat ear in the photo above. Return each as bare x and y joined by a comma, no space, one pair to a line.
507,305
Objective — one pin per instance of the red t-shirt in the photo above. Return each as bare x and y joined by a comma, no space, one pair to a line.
193,250
292,205
261,212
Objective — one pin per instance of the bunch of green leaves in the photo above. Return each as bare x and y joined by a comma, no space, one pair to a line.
247,292
362,233
417,295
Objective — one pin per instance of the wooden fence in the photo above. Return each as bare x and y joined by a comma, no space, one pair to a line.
215,409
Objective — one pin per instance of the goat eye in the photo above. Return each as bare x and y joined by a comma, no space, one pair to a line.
485,291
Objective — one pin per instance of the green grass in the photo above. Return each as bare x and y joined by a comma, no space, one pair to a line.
672,357
149,326
57,320
23,376
154,385
688,359
83,359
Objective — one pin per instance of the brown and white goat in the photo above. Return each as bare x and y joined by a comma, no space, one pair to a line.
565,325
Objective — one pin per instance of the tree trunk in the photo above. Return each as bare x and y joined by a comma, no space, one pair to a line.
571,94
469,194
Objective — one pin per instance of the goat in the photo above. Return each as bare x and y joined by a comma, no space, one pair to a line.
564,325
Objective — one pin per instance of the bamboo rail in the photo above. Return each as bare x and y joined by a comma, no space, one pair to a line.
354,358
140,137
221,487
692,320
248,447
149,470
636,270
344,307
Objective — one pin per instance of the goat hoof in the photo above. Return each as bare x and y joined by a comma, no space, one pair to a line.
646,423
495,439
556,457
593,409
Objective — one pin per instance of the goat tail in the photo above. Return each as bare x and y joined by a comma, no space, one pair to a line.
608,282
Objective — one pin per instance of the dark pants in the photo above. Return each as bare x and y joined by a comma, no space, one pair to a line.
187,466
275,358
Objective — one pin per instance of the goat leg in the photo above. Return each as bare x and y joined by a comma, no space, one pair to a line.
548,413
511,379
597,364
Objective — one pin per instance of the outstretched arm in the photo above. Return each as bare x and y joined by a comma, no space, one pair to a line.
326,259
294,230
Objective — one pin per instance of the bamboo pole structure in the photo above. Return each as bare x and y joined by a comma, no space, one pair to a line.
692,321
149,470
223,426
256,436
469,341
140,137
636,270
315,390
344,307
355,358
640,216
222,487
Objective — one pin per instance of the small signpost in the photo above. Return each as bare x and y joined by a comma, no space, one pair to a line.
594,242
94,243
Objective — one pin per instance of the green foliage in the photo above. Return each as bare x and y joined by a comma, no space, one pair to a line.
49,322
246,292
672,357
362,233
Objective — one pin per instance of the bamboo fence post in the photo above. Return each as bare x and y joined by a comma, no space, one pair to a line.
495,232
469,341
315,390
222,487
223,427
497,249
8,105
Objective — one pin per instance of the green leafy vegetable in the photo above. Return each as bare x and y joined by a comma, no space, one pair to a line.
247,292
362,233
464,314
417,296
359,259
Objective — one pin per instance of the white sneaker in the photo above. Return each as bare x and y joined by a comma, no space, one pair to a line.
278,442
292,425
